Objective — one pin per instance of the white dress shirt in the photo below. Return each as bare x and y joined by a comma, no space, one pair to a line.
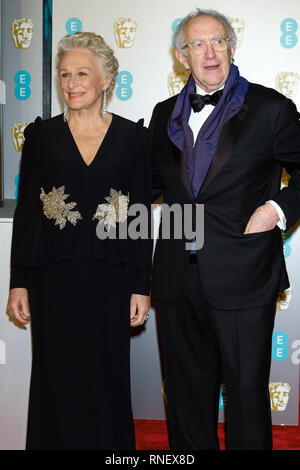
197,120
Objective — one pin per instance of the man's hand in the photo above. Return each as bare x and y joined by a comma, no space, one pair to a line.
139,308
18,304
264,218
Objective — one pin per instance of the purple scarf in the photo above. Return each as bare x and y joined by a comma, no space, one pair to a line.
198,158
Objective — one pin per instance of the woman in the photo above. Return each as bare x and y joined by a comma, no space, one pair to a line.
79,289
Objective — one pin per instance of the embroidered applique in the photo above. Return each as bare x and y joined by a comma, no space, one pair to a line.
54,207
115,211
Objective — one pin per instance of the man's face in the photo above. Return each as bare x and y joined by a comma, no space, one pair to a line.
210,70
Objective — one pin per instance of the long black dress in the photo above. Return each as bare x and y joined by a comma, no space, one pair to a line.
79,286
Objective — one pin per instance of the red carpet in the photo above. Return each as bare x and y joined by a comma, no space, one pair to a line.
152,435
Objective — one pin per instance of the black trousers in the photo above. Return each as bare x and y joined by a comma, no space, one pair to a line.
203,347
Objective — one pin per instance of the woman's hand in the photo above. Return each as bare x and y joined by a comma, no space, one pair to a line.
18,304
139,308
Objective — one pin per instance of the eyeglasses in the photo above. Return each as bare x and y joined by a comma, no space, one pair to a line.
198,46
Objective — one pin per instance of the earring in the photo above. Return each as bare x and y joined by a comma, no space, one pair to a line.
104,106
66,112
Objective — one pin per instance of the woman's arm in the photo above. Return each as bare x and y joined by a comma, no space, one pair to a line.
18,304
141,194
28,202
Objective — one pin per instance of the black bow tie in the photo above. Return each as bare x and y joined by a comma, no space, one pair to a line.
198,101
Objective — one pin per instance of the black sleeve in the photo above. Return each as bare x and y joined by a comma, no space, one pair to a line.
28,203
157,184
287,152
141,194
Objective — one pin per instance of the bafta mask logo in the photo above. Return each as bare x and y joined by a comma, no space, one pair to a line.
124,30
177,80
238,25
279,395
284,299
285,178
22,31
287,83
17,134
163,391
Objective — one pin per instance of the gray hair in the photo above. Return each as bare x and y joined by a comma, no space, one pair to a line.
178,35
96,44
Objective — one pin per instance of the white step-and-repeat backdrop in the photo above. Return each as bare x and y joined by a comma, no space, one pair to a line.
140,33
268,53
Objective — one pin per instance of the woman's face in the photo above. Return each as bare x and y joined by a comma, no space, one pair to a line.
82,80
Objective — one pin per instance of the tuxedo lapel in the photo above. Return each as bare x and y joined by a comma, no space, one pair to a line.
228,137
226,142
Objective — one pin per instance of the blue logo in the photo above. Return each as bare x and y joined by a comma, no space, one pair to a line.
286,237
17,179
174,27
124,81
280,340
73,25
222,399
289,27
22,80
221,404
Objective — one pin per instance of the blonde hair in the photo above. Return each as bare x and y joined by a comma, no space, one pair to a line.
96,44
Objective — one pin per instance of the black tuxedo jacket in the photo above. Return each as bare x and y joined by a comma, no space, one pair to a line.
236,270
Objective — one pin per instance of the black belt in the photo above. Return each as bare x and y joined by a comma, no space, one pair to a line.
193,258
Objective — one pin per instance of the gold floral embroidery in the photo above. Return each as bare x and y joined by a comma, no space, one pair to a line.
54,207
115,211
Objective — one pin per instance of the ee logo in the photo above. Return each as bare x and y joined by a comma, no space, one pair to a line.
17,179
22,80
280,341
289,27
73,25
287,249
174,27
124,81
221,401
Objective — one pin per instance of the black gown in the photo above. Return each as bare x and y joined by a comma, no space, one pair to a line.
79,286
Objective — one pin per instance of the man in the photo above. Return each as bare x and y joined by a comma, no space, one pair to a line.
216,305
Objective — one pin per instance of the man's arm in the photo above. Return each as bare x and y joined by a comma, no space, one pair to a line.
264,218
287,152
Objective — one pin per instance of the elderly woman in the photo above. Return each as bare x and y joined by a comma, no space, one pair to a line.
82,290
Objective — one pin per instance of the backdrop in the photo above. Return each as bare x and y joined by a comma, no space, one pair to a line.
268,53
141,35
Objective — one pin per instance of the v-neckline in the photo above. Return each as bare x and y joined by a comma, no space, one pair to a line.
99,148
